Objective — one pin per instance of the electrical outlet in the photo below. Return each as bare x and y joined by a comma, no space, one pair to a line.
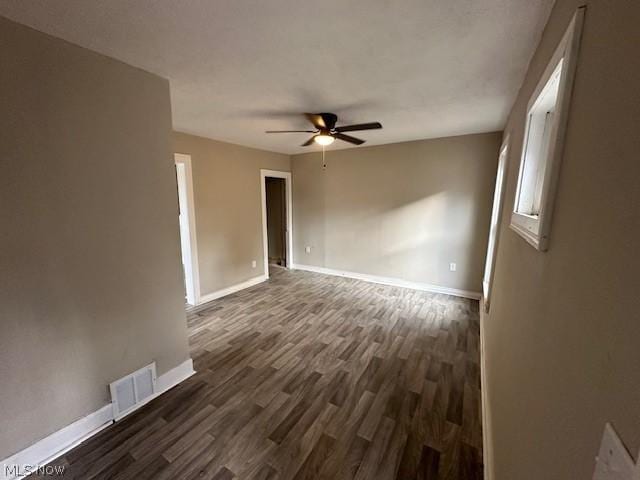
307,249
253,264
613,461
452,267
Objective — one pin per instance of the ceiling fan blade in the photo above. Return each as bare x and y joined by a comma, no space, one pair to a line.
290,131
316,119
349,138
359,126
308,142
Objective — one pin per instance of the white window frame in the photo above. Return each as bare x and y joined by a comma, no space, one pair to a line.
494,227
535,229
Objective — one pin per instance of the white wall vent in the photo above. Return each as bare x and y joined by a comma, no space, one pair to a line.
133,391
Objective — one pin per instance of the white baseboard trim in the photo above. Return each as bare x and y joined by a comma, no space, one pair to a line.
174,376
56,444
232,289
396,282
487,452
60,442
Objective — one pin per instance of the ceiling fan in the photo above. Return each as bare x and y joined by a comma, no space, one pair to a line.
326,131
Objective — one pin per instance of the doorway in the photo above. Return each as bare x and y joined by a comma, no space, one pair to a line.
186,220
276,219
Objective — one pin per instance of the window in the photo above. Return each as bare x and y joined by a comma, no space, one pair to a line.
496,211
547,113
534,161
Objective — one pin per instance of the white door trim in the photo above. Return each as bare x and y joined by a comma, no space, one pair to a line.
265,242
193,242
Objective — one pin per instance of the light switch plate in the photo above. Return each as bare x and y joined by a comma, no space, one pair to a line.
613,461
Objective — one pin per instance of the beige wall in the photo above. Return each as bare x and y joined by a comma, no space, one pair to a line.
228,208
403,210
563,335
90,276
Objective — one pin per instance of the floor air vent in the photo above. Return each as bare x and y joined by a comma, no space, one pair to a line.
133,391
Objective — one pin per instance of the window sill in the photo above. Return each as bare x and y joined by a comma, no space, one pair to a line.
527,227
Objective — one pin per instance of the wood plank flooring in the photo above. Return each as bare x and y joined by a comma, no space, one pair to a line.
310,376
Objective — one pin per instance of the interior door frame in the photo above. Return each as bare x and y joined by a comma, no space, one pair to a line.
496,219
193,296
264,174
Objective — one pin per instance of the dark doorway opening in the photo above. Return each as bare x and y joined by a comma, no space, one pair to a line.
275,189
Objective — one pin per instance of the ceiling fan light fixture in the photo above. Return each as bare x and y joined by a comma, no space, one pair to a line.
323,139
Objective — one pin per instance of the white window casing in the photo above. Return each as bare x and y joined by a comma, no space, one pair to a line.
542,148
494,227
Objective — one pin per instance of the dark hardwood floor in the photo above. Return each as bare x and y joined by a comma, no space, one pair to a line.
310,376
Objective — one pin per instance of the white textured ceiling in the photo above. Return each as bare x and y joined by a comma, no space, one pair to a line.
423,68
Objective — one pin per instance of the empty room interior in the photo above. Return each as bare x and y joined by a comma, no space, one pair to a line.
320,240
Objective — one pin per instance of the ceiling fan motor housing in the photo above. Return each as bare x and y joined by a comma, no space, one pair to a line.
329,119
